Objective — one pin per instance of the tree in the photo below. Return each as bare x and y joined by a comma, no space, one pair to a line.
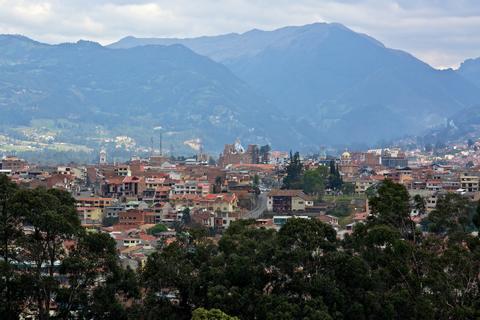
186,217
451,214
470,142
11,294
335,181
212,314
217,187
476,217
314,181
177,271
303,242
93,274
293,179
348,188
52,216
256,181
264,153
158,228
391,206
419,204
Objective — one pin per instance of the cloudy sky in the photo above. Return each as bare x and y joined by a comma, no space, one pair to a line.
440,32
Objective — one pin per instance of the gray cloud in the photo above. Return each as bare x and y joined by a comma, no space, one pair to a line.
441,32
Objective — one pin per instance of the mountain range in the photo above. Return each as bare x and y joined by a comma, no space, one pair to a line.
90,90
302,87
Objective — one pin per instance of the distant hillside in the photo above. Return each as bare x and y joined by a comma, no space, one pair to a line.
462,126
335,84
93,91
470,69
295,87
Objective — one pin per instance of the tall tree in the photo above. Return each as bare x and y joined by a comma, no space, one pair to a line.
293,179
314,180
391,206
52,217
335,180
451,215
419,204
97,284
10,231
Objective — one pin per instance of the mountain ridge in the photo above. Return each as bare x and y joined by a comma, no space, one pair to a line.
98,86
303,85
321,69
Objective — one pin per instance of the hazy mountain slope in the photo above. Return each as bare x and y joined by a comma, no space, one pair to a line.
223,47
330,71
132,90
470,69
330,78
462,126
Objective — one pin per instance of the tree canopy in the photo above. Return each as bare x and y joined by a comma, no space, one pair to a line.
384,269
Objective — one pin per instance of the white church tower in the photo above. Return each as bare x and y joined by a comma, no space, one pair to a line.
103,156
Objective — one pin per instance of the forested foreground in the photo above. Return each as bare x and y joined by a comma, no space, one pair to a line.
387,269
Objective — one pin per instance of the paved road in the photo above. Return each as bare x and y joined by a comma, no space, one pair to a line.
261,206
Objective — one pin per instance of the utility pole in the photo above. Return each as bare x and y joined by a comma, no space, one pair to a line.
159,129
161,151
151,146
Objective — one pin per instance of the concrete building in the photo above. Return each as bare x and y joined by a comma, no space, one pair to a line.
288,201
469,182
236,154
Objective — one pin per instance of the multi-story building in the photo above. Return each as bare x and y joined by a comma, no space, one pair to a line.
288,201
394,159
236,154
191,187
13,164
469,181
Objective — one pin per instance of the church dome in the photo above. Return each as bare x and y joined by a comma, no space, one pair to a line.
346,155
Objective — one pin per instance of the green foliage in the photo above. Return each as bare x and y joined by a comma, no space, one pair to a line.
186,218
217,187
11,289
391,206
452,214
419,204
256,181
94,256
293,179
314,180
341,209
109,221
335,181
348,188
476,216
157,229
311,181
383,270
212,314
35,227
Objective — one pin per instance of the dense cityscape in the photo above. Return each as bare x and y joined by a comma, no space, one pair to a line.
145,220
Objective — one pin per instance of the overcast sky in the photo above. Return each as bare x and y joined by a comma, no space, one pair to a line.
440,32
